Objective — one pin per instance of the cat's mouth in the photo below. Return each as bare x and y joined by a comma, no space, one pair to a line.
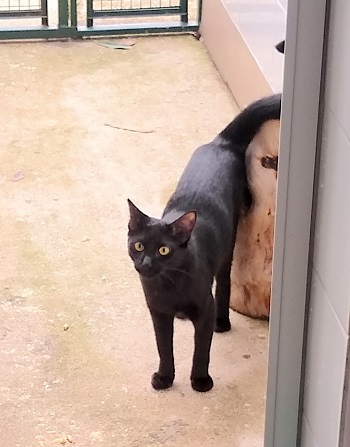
147,273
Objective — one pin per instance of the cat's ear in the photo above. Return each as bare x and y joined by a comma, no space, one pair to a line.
183,226
138,220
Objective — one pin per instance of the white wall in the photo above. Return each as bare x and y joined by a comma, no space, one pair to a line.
262,24
240,36
328,331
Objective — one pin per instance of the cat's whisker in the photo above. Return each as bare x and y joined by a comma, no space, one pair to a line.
172,269
164,275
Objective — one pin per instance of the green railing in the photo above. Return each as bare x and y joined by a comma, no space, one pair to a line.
30,8
102,17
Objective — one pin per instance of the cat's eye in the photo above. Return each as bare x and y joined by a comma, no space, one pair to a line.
164,250
138,246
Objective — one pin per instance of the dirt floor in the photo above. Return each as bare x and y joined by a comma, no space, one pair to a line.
77,346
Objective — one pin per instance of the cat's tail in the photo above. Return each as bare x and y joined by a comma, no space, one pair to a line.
246,124
280,46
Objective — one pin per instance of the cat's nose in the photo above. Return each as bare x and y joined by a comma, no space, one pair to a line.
147,262
146,268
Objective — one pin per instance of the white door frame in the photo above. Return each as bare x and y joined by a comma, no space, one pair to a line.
299,131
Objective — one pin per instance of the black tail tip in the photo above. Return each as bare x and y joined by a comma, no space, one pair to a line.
280,47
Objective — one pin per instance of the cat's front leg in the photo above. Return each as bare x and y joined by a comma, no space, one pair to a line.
203,326
164,331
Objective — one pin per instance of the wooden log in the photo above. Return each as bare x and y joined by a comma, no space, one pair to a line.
252,260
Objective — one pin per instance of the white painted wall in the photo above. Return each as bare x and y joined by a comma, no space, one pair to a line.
262,24
328,330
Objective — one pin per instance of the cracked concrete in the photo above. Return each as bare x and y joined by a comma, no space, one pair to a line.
77,346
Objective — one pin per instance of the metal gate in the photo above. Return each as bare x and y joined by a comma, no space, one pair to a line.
50,19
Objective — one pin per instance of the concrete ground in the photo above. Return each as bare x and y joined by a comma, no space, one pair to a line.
77,346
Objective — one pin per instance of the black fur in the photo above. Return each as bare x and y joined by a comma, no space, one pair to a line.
280,47
198,227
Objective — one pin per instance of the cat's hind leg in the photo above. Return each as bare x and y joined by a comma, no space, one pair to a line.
222,298
164,331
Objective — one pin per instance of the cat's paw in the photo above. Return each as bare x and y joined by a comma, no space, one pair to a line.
202,384
222,325
160,382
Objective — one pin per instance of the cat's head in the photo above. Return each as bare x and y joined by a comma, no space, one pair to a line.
156,246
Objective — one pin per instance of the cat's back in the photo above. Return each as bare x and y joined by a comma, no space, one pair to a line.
212,174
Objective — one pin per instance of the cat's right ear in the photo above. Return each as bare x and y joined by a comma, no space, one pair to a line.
138,220
182,227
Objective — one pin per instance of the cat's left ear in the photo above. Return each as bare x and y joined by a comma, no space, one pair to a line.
183,226
138,220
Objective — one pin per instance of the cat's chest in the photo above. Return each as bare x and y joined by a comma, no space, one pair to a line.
171,298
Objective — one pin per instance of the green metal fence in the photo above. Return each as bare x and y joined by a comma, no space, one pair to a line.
31,19
26,9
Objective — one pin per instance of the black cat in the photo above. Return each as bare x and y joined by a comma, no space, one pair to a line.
179,255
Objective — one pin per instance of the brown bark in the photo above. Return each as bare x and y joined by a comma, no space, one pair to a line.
252,261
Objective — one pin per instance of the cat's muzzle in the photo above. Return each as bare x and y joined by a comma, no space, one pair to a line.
147,270
147,273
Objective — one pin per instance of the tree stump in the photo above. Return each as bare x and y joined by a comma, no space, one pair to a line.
252,259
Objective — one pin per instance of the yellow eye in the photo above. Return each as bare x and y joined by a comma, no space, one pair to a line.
138,246
164,250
